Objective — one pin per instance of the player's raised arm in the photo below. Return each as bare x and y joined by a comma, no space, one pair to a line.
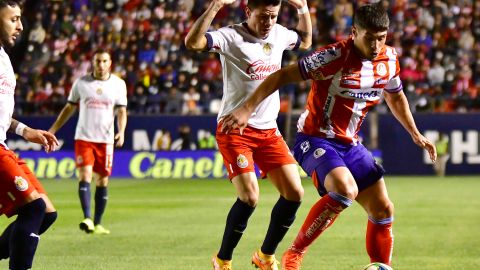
195,39
62,118
398,104
239,117
304,26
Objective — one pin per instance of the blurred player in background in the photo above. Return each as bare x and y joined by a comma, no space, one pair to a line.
21,193
348,79
249,52
98,95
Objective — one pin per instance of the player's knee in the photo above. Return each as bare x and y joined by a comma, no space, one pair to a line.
349,191
295,194
385,210
251,199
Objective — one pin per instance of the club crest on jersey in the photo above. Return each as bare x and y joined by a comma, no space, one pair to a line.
242,161
381,69
318,152
20,183
267,48
99,91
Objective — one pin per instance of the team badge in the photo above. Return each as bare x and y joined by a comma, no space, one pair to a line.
99,91
267,48
20,183
381,69
79,160
305,146
242,161
318,152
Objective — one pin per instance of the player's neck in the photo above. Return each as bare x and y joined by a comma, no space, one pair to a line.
101,77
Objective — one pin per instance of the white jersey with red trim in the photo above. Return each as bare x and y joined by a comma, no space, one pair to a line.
344,88
96,100
246,62
7,92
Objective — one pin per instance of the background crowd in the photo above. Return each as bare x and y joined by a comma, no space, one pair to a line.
438,41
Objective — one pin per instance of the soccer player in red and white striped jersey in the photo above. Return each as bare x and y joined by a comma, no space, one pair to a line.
349,78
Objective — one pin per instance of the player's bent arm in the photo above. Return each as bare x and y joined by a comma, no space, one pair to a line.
304,26
195,39
398,104
62,118
47,139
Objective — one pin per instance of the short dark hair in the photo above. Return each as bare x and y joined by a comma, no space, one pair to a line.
372,17
12,3
252,4
100,51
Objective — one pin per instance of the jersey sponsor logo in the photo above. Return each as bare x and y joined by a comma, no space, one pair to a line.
259,70
318,152
350,82
321,58
97,103
20,183
267,48
305,146
381,69
381,81
242,161
361,95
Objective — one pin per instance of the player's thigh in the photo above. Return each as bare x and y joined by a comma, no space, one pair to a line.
247,188
15,187
340,180
375,200
38,186
103,153
287,181
237,153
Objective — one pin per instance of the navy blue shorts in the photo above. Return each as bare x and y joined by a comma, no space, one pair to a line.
321,155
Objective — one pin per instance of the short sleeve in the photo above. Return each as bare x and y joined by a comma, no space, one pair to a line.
217,41
292,38
122,97
74,95
395,83
316,65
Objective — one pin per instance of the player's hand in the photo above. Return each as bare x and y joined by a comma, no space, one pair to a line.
424,143
119,139
297,3
236,119
45,138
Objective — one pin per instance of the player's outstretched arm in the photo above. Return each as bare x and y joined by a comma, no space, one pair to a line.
121,125
304,26
195,39
45,138
62,118
239,117
398,104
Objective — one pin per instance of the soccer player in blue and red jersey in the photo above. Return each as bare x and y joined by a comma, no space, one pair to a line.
348,80
21,193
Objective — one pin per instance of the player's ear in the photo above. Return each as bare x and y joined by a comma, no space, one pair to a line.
248,12
354,31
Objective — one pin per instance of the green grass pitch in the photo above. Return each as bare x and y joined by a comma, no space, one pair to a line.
177,225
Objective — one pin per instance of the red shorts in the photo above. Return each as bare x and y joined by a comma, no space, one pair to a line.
16,182
98,155
265,147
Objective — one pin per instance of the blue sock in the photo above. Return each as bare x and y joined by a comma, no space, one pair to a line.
24,236
48,220
283,215
101,197
84,194
5,241
237,220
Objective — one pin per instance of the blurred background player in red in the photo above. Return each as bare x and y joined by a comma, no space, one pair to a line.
21,193
99,95
249,52
349,78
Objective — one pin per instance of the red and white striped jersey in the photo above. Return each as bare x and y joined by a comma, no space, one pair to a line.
344,88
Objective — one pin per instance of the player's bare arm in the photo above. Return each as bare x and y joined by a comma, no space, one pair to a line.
121,124
239,117
62,118
45,138
195,39
398,104
304,26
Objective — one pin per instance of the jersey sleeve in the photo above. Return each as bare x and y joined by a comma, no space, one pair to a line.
395,83
218,41
74,95
122,96
292,38
319,64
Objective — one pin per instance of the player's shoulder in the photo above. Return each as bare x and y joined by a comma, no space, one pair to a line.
115,77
